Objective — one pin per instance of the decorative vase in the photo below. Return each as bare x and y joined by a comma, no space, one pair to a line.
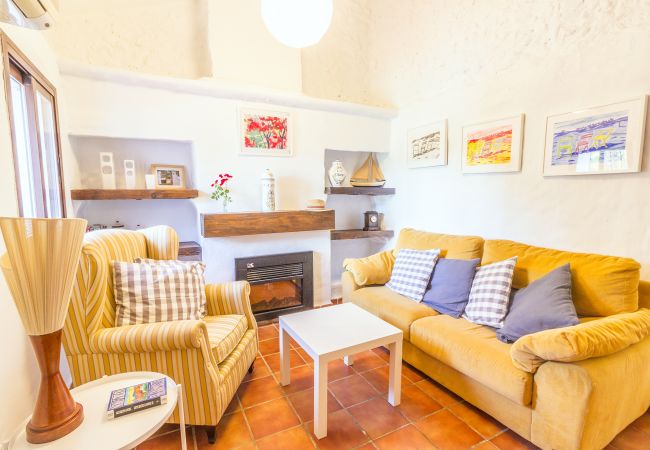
224,205
337,173
268,191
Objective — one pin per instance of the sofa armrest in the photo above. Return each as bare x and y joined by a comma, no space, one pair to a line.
374,269
587,340
150,337
230,298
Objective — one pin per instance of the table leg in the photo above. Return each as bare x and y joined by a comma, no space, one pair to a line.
348,360
181,413
284,356
320,398
395,372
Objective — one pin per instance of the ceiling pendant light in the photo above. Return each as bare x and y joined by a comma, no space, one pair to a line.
297,23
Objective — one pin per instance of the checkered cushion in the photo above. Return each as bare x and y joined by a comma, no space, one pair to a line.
158,292
412,272
490,294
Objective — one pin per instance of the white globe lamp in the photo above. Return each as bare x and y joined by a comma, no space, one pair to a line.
297,23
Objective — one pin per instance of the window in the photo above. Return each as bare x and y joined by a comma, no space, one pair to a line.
34,128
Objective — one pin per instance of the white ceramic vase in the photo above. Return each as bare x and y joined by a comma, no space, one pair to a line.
337,173
268,191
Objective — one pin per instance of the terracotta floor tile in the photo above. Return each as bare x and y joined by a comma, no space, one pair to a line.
378,378
485,425
233,406
258,391
303,402
301,378
267,332
305,356
232,432
166,428
416,404
271,417
273,360
441,394
448,432
368,446
337,369
352,390
260,370
342,432
295,439
167,441
269,346
412,373
643,422
632,438
377,417
367,360
485,445
382,352
406,438
510,440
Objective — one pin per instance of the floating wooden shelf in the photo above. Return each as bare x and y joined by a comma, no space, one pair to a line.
339,235
247,223
352,190
133,194
189,251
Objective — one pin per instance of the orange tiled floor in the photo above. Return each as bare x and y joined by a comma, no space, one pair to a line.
264,415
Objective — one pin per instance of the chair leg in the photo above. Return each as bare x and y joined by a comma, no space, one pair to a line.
212,434
250,369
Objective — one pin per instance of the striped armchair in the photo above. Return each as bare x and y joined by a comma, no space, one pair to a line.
209,357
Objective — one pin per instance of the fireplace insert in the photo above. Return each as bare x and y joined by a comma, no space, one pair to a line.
280,284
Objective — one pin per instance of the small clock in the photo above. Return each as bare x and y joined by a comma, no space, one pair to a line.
371,219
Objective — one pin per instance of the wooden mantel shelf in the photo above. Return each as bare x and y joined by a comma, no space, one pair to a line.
248,223
133,194
339,235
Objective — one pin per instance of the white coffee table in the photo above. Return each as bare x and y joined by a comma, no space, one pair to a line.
97,432
334,332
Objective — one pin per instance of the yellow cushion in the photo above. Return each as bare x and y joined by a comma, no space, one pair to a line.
391,307
590,339
602,285
456,247
374,269
475,351
224,333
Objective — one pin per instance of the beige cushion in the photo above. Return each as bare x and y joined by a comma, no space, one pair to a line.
391,307
475,351
224,333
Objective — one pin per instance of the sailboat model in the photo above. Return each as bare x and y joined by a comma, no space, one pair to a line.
369,174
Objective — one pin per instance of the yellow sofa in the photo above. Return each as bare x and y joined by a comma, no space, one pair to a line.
208,357
571,388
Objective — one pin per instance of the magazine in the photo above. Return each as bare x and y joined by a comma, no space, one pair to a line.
137,398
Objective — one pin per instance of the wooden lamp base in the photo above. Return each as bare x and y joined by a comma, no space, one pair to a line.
55,413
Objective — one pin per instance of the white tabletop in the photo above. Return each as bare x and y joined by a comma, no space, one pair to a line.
97,432
334,328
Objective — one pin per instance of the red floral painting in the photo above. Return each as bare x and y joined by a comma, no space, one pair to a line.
265,133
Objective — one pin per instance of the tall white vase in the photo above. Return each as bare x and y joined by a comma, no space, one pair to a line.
268,191
337,173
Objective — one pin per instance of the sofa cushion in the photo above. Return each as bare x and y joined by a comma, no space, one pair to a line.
601,285
391,307
475,351
457,247
224,333
412,272
451,283
373,269
489,297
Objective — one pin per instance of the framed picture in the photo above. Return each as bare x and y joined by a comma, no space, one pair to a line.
265,133
168,176
426,146
493,146
605,139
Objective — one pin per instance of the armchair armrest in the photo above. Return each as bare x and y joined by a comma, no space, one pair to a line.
374,269
230,298
162,242
587,340
150,337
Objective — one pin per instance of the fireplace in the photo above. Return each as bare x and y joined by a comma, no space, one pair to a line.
280,284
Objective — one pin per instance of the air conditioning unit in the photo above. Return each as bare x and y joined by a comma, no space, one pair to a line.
35,14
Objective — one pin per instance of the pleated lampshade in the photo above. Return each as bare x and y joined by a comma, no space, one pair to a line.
40,266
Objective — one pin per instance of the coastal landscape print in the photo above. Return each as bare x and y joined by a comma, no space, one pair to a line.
427,145
489,146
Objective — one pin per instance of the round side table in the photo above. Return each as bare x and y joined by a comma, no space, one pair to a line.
97,432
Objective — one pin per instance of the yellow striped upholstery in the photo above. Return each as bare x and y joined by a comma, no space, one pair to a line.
203,355
224,333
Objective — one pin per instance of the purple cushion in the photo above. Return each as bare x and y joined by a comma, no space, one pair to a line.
544,304
450,285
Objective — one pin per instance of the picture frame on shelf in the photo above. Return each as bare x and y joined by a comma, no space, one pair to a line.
265,132
494,146
426,145
169,176
600,140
